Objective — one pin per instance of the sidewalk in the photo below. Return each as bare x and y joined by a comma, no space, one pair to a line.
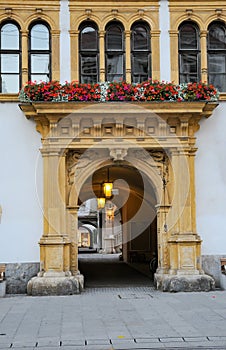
117,318
119,309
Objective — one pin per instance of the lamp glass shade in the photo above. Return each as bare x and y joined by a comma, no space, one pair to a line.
107,188
110,213
100,202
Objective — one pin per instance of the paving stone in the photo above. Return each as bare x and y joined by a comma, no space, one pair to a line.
122,340
217,338
99,347
170,340
196,339
147,340
98,341
5,345
73,342
23,344
48,342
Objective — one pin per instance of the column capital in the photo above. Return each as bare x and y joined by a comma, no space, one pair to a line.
74,33
51,152
203,33
24,33
102,33
155,33
55,32
73,209
173,33
127,33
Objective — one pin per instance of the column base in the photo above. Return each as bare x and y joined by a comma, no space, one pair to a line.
184,283
55,285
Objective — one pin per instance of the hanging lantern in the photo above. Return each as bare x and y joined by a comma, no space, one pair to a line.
101,202
110,213
107,188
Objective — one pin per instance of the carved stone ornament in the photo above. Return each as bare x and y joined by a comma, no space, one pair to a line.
118,153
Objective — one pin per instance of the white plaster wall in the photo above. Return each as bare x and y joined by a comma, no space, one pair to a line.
65,61
211,182
21,223
164,41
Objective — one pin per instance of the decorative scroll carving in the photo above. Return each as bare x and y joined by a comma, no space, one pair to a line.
76,162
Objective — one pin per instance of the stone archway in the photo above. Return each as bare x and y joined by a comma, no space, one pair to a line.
158,138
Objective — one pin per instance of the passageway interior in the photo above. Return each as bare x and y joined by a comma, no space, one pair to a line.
123,243
107,271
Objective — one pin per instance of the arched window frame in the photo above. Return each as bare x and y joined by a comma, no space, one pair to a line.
216,57
190,56
113,53
43,52
88,54
16,52
139,54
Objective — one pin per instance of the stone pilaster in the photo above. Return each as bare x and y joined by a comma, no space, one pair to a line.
55,277
184,244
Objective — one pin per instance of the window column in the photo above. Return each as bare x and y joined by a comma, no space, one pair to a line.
128,59
74,34
55,34
155,35
24,47
203,44
173,55
102,55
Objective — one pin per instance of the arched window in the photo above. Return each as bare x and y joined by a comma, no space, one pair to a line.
189,53
114,52
39,52
10,53
140,52
217,55
89,52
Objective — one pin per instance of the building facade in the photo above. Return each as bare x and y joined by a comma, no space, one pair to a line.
166,159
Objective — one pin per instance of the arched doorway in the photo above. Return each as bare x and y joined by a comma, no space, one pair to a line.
127,223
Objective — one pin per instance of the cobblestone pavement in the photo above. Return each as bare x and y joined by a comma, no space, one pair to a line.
103,318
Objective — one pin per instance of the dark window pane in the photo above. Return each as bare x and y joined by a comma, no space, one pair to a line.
10,63
115,64
188,37
114,38
89,65
217,63
39,37
189,53
9,37
140,38
189,68
217,55
218,80
39,63
88,79
40,77
10,83
217,38
140,64
88,39
188,63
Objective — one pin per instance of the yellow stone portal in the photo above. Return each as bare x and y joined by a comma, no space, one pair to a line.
162,130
